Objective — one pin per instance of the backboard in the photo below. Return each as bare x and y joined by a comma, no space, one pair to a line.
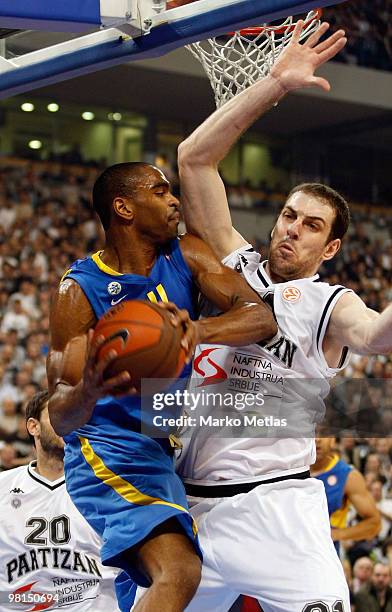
119,31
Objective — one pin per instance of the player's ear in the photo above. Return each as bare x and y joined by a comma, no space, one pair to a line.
331,249
33,427
123,208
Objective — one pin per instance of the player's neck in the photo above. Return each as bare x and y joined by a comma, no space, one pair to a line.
51,468
128,255
277,278
321,465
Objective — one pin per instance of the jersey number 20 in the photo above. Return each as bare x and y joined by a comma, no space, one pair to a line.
58,529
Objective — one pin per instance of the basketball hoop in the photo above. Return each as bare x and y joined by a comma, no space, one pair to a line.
239,59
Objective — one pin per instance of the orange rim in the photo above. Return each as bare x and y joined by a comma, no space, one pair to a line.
255,31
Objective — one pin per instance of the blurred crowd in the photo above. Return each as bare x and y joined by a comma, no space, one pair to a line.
46,222
369,29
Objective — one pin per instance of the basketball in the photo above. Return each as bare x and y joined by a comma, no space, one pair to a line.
147,344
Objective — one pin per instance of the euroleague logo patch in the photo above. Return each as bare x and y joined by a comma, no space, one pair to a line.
291,294
114,288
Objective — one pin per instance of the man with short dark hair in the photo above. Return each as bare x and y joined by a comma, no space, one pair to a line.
48,551
378,597
122,481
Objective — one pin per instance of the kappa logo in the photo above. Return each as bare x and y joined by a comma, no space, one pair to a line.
220,374
16,490
291,294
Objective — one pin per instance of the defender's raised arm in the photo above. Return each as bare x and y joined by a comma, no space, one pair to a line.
203,194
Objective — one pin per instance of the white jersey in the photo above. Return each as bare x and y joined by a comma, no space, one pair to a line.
49,555
290,372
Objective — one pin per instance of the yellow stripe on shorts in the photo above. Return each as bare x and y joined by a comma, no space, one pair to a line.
122,487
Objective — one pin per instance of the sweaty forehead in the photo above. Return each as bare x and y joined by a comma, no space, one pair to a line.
149,177
308,205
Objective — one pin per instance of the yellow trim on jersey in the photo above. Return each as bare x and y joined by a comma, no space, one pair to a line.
122,487
338,519
152,297
65,274
162,293
332,463
102,266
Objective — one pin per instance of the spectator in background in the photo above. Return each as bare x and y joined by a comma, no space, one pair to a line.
7,389
385,508
9,418
362,573
8,457
376,597
16,318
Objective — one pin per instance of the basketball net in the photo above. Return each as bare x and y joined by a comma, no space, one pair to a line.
239,59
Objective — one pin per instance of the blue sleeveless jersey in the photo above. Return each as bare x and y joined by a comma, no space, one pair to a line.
170,280
124,482
334,479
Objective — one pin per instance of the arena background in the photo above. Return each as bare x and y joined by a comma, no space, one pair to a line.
141,111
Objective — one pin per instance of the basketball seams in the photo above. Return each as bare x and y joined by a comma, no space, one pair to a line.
168,352
128,322
152,348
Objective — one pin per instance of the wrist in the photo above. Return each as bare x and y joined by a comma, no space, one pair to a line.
280,84
199,331
85,399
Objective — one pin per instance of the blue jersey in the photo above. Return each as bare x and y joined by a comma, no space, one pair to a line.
123,482
334,479
170,280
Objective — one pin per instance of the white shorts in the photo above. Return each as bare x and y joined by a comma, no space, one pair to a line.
274,544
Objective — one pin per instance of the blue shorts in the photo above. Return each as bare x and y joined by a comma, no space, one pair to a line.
124,487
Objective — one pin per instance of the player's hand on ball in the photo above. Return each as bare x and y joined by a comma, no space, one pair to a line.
95,384
180,317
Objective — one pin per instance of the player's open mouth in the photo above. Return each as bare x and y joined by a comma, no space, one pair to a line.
286,248
175,217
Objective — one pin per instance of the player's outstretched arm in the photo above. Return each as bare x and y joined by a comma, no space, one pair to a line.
246,320
202,191
362,330
75,380
365,506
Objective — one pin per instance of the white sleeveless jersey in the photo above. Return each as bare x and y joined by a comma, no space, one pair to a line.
290,372
49,555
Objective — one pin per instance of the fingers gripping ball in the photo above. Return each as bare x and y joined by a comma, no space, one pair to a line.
147,344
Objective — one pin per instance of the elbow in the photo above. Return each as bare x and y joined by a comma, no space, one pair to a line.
375,526
184,154
190,154
267,324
